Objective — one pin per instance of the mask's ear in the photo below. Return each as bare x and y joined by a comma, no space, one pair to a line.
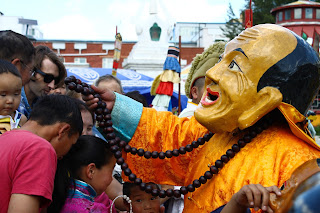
268,99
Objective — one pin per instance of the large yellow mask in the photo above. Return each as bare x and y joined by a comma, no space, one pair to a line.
232,99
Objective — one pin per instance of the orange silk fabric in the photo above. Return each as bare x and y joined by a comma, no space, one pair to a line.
269,159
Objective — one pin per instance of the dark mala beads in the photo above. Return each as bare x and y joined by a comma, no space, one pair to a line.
116,145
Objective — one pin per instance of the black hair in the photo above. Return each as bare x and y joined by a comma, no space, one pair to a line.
14,45
135,95
7,67
296,76
127,187
109,78
51,109
88,149
43,52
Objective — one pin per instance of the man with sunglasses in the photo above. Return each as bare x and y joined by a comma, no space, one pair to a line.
48,71
18,50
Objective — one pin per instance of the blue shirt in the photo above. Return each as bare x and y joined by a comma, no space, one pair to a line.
24,106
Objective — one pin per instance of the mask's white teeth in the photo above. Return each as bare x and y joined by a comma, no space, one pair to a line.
208,100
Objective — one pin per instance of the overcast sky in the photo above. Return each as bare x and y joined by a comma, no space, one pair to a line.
97,19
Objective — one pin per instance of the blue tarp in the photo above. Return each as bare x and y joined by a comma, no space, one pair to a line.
130,80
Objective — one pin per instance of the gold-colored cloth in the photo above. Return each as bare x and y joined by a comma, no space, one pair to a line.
170,76
269,159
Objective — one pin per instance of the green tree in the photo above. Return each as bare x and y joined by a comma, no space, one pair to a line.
261,9
233,26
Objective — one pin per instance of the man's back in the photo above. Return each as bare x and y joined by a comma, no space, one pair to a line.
27,166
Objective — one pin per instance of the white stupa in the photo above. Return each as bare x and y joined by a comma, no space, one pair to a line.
154,31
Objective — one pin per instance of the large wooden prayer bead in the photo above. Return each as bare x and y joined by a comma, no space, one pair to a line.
230,153
155,154
196,183
138,181
124,166
169,192
149,189
195,144
247,138
140,152
235,148
147,154
208,175
201,141
114,148
224,158
202,180
127,171
175,152
169,154
118,154
184,190
134,150
79,88
127,148
177,193
110,136
162,155
143,186
214,169
191,188
98,111
155,192
219,164
132,177
189,148
120,161
122,143
162,194
241,143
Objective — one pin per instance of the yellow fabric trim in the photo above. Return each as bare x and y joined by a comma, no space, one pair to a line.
155,85
293,116
170,76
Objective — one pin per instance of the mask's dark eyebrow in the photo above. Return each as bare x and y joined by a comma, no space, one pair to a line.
240,50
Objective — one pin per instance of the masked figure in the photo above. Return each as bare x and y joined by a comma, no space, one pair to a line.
266,80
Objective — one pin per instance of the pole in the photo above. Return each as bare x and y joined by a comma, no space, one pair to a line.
179,106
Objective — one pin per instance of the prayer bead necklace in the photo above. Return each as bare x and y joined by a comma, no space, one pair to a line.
116,145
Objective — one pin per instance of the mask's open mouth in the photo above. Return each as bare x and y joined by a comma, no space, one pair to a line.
210,98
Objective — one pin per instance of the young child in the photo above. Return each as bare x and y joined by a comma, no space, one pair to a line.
249,196
10,95
141,201
90,166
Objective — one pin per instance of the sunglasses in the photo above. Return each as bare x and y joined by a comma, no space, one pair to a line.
47,78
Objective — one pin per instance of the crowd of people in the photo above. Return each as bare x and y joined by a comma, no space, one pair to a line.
236,147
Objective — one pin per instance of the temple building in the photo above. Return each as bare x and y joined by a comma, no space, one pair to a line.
302,17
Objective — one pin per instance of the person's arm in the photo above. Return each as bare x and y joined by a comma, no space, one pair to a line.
24,203
251,196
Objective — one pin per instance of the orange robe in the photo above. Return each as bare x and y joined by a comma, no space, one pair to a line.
269,159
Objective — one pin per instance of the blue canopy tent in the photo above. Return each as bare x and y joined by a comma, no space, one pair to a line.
130,80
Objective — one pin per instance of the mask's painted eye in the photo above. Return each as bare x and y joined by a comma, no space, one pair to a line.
234,66
283,186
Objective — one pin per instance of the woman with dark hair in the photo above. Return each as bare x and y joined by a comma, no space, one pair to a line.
83,174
